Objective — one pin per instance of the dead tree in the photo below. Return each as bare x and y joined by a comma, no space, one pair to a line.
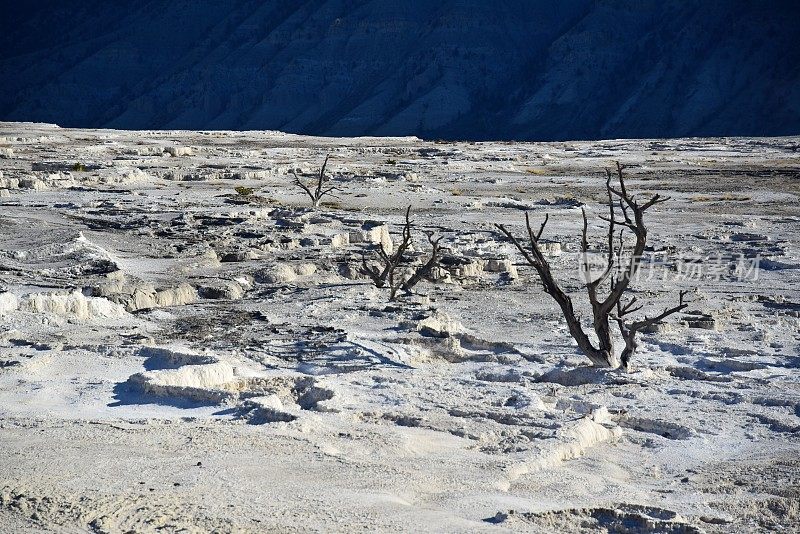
319,190
625,213
425,270
387,274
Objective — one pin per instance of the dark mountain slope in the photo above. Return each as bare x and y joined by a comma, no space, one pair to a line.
453,68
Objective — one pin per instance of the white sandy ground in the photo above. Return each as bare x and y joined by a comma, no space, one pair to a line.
177,357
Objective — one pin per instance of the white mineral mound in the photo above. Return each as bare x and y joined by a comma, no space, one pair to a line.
572,442
58,251
72,305
439,324
136,295
205,376
194,377
8,302
282,273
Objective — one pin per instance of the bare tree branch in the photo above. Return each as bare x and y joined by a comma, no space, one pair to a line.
425,269
629,331
517,244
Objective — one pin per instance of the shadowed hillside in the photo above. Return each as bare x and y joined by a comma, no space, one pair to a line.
468,69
